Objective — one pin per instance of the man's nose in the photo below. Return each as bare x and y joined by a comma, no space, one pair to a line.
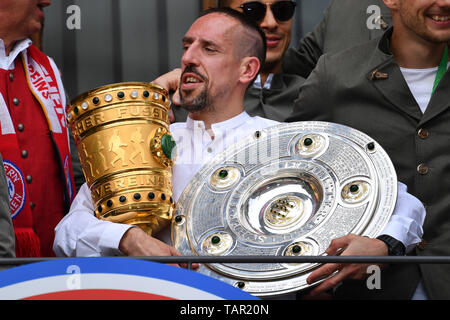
269,21
190,56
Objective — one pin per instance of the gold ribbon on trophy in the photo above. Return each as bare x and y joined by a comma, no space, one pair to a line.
126,152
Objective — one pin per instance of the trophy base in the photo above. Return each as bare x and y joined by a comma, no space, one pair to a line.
152,223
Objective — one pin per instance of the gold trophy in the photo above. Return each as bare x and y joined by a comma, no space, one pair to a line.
126,152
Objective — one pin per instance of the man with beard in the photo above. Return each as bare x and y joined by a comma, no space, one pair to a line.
223,53
397,90
273,92
216,70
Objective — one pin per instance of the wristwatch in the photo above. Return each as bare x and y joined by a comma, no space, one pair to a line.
395,247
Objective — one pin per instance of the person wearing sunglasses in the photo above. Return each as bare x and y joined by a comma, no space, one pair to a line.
275,19
273,92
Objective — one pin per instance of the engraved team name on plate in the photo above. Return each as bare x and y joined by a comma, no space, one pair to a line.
284,191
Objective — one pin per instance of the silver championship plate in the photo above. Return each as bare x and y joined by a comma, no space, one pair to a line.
284,191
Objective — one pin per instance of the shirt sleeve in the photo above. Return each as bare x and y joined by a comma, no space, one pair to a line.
406,223
81,234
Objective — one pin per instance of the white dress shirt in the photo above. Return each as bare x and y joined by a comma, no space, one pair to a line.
80,233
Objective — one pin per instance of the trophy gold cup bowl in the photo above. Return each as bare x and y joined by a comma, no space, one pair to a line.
126,152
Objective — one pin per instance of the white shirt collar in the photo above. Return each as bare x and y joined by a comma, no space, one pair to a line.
7,62
219,126
267,84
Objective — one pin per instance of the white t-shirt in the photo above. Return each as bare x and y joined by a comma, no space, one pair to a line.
421,82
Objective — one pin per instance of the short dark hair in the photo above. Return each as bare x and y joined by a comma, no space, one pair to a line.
253,46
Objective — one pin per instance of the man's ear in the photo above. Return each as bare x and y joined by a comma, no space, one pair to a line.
249,69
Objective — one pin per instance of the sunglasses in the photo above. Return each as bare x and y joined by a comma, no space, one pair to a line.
282,10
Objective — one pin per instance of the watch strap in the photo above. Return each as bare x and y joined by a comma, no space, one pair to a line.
395,247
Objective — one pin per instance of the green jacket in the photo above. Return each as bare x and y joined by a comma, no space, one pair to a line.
277,102
345,23
364,88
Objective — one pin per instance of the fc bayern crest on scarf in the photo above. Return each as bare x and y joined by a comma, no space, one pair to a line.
16,187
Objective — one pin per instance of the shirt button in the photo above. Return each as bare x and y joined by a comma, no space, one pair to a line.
422,169
24,154
20,127
16,101
11,76
423,133
29,179
32,205
210,150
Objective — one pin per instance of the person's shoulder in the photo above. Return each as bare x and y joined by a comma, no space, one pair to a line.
351,61
355,53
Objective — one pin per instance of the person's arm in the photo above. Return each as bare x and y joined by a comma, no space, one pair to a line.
303,59
314,102
406,222
81,234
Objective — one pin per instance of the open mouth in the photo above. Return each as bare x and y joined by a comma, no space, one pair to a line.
439,18
191,80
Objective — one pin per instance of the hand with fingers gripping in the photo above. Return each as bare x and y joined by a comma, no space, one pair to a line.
135,242
349,245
